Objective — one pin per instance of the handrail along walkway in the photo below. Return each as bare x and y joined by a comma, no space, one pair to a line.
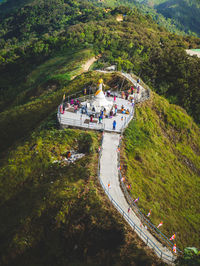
145,238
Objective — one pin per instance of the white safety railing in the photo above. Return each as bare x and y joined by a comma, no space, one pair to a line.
79,123
165,257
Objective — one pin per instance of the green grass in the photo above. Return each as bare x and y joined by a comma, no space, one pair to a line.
162,153
52,75
56,214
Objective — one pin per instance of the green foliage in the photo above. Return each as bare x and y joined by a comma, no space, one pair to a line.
185,13
53,212
42,80
162,154
190,257
137,44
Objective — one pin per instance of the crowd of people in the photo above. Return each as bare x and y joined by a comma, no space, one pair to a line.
76,105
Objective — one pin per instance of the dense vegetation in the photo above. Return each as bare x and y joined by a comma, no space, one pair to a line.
162,155
43,45
39,95
137,44
183,13
54,213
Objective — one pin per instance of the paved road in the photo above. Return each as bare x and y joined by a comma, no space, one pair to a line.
109,175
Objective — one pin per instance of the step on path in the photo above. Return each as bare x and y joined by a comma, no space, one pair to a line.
109,175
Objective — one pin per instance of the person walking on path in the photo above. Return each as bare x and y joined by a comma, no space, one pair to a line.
114,124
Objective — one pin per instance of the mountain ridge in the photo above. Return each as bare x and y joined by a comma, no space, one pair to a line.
54,212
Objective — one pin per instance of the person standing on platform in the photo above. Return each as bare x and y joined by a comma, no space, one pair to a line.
114,124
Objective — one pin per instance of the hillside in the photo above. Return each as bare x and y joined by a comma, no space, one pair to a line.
33,100
186,13
53,212
177,16
183,13
162,159
137,44
144,8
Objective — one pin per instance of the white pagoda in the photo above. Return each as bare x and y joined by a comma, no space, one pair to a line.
100,102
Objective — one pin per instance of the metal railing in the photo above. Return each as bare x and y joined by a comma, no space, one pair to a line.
151,227
165,257
79,123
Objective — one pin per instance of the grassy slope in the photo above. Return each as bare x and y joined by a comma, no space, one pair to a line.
46,78
45,87
56,214
185,12
162,154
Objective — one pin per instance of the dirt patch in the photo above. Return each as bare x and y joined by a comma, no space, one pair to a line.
88,64
85,67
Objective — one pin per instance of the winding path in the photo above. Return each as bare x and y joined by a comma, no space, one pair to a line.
109,175
85,67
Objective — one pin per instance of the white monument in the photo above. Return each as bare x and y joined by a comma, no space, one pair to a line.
99,102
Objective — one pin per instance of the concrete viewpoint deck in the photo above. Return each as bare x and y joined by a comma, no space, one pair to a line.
76,119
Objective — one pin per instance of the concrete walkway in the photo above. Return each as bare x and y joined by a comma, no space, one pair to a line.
109,175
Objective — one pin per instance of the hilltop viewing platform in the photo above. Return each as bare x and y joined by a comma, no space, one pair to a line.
110,111
80,117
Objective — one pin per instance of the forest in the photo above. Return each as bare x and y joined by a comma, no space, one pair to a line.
137,44
181,13
42,47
